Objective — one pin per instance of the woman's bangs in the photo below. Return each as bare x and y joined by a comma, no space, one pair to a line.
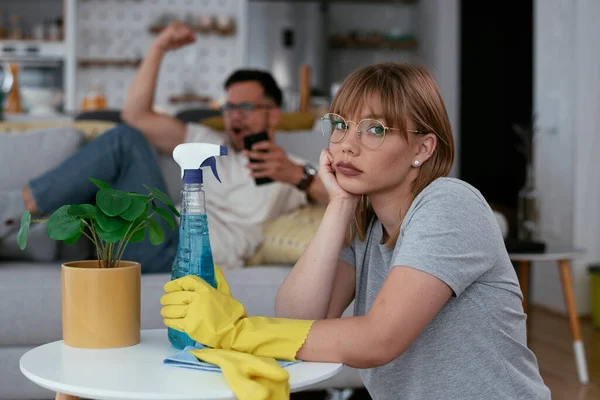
380,96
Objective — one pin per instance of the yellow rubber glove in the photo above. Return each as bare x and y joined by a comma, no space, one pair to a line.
215,319
222,285
249,377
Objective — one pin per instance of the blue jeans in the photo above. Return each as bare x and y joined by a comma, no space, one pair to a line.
123,158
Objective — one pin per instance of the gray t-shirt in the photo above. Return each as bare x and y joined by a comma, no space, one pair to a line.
475,347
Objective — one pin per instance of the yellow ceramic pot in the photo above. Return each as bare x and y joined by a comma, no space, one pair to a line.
100,306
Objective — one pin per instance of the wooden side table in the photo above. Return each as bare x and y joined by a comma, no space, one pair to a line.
563,256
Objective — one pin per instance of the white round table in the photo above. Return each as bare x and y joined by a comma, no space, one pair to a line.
563,256
137,372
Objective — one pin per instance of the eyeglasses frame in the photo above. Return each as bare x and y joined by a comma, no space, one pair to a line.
385,129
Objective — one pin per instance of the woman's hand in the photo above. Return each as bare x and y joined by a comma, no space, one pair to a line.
206,314
327,175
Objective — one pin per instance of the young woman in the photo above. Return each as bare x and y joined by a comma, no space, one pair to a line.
437,304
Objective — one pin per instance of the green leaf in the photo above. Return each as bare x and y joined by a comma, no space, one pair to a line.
172,208
24,230
155,232
137,208
141,233
62,226
113,202
81,211
73,239
111,237
159,195
138,236
99,183
164,214
106,223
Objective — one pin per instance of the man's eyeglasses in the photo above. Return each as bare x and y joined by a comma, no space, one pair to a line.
370,132
244,108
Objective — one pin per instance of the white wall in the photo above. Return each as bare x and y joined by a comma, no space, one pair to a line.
567,101
434,22
586,224
267,20
439,35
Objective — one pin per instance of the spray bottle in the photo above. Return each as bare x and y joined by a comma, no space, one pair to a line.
194,254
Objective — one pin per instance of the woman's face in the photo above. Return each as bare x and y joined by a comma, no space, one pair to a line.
362,170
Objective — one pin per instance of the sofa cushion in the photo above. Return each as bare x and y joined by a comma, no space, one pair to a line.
55,144
89,129
30,303
30,311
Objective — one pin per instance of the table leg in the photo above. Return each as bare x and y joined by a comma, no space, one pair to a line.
523,275
567,284
63,396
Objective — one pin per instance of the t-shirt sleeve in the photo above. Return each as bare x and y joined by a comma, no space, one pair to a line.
198,133
347,255
451,236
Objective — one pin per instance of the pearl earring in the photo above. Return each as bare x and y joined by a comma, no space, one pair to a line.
416,162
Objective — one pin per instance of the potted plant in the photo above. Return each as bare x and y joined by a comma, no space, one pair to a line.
528,228
101,298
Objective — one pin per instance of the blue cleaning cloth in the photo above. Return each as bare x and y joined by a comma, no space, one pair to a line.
184,359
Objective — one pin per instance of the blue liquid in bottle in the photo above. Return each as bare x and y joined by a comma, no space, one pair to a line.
194,254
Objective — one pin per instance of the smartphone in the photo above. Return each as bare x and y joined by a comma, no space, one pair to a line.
249,141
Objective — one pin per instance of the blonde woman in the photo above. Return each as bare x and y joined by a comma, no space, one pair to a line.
437,304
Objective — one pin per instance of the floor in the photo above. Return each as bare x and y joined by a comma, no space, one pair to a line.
550,340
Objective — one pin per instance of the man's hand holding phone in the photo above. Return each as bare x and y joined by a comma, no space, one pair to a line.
270,161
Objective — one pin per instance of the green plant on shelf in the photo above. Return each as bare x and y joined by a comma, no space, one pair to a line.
117,219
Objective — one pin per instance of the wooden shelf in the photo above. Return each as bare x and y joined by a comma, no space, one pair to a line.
189,98
29,41
155,29
401,44
344,1
89,63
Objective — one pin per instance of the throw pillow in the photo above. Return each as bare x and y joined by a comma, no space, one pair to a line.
90,129
290,121
286,237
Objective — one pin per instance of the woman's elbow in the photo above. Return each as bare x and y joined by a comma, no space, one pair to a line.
380,352
387,351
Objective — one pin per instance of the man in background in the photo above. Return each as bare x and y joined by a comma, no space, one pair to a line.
125,157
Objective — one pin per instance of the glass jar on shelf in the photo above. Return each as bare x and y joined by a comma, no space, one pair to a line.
94,99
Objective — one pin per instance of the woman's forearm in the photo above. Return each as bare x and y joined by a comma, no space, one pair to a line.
306,292
351,341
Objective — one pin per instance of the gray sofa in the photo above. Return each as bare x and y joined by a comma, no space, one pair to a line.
30,310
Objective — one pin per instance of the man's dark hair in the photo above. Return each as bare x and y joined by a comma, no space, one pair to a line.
264,78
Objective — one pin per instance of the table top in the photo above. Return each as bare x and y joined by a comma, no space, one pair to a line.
137,372
552,253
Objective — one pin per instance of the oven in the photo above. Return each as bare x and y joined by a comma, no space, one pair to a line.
40,69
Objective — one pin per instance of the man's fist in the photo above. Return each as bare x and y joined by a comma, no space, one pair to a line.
174,36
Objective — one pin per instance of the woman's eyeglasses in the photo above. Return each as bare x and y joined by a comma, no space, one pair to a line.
370,132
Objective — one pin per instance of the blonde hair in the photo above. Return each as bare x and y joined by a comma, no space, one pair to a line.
406,93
